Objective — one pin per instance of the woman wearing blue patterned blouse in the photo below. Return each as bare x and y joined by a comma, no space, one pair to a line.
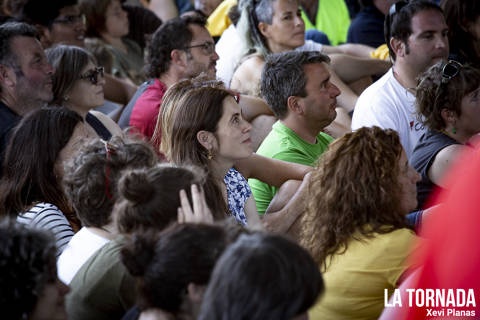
206,128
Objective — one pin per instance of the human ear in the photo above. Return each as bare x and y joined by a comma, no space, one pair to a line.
448,116
195,292
263,28
295,104
178,58
44,36
205,138
7,76
398,47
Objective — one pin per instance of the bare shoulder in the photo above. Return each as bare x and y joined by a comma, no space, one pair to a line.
246,78
111,125
444,159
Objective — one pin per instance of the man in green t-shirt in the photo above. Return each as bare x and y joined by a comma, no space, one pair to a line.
297,87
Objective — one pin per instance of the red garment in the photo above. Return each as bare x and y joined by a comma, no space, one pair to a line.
145,112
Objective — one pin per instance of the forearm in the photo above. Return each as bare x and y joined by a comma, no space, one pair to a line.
164,9
287,206
252,107
350,68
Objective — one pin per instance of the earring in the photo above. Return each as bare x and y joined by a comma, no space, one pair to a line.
454,130
66,98
209,154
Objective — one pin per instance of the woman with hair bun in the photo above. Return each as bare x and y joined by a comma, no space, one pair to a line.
148,199
166,285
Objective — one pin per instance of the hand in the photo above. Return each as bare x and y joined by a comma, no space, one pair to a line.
200,214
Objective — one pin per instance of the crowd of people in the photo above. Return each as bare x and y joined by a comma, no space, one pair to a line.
250,159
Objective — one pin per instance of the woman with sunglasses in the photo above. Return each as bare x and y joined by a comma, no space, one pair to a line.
448,102
78,85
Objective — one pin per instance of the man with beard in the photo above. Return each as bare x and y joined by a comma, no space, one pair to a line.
180,48
25,76
416,35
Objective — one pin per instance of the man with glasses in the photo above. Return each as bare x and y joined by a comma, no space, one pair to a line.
180,48
25,76
416,35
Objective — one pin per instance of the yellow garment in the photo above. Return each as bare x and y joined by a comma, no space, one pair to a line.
218,21
381,52
355,281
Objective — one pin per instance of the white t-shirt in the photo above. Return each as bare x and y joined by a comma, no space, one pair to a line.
387,104
82,246
230,50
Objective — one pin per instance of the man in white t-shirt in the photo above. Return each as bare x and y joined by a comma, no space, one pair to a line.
417,35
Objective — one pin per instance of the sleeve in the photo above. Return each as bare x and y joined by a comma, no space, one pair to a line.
374,110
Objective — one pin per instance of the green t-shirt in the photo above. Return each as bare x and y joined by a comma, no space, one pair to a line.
284,144
103,288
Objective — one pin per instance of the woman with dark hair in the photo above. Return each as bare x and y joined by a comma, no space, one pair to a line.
448,104
355,226
108,21
30,187
262,276
166,285
29,287
148,199
78,85
463,21
90,183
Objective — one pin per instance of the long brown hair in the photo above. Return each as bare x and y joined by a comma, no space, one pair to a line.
190,106
353,192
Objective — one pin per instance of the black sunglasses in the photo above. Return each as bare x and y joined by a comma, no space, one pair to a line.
92,75
450,70
394,9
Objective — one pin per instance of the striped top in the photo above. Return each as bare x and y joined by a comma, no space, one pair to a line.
48,217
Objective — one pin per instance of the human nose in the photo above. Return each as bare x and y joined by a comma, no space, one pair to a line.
299,21
49,69
415,175
215,56
62,288
246,126
334,91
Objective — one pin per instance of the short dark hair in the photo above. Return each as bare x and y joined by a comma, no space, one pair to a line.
69,62
30,157
43,12
262,276
173,34
28,263
165,263
398,22
283,76
433,95
8,31
85,180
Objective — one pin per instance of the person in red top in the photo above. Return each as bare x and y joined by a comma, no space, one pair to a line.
180,48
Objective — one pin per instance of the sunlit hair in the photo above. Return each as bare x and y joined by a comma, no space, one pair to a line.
188,107
433,96
353,192
69,62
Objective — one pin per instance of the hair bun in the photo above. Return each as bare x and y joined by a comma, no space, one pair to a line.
135,187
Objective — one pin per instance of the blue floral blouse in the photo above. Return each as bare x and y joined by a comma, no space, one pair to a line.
238,191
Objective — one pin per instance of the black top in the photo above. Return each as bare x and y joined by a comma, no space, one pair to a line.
427,148
98,126
367,27
8,120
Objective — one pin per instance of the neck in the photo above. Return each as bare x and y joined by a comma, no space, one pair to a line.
219,168
80,111
457,134
114,41
404,75
276,48
301,129
170,77
107,232
20,107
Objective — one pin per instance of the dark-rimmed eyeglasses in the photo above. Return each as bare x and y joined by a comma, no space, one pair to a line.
71,19
394,9
207,47
92,75
450,70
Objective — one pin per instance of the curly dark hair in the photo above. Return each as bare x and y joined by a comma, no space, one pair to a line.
354,188
432,96
27,264
85,180
173,34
